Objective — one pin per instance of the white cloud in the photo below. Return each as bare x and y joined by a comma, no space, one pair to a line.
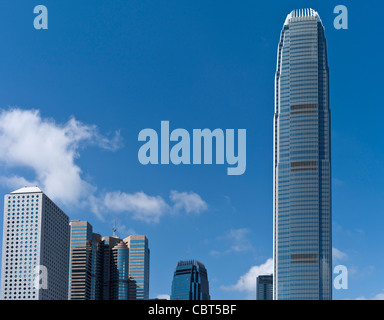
140,205
163,296
247,282
337,255
190,202
16,182
149,208
48,149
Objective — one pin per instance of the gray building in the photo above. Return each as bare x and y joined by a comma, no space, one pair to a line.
35,247
302,161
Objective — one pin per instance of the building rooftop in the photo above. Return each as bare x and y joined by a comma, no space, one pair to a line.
300,13
27,190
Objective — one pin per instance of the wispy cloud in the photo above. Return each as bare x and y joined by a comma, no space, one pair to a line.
189,202
379,296
142,206
148,208
163,296
235,240
247,282
338,255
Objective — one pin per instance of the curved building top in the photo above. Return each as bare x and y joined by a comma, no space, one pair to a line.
299,14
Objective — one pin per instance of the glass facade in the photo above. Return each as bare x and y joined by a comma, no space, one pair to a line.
120,276
109,271
138,267
84,263
302,162
264,287
190,281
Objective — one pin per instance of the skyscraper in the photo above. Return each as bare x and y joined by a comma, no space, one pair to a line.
109,271
35,247
85,262
302,161
264,287
120,278
138,267
190,281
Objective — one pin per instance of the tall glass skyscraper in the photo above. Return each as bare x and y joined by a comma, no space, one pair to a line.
120,276
190,281
138,267
302,162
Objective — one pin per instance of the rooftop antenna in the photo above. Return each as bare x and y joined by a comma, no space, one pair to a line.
114,228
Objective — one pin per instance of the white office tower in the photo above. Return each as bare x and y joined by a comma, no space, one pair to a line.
35,247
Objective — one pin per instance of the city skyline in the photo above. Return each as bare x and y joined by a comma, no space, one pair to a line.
75,97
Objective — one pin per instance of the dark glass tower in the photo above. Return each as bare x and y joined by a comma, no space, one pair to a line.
190,281
302,162
264,287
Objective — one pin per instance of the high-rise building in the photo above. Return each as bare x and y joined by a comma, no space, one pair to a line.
85,262
302,161
190,281
138,267
35,247
120,278
109,271
264,287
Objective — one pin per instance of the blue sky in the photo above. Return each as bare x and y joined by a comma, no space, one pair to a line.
73,99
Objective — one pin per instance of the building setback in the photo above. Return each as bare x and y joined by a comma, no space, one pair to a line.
302,162
35,242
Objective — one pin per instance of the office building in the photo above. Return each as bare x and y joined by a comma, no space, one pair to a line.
109,267
120,278
85,262
264,287
190,281
35,247
302,162
138,267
